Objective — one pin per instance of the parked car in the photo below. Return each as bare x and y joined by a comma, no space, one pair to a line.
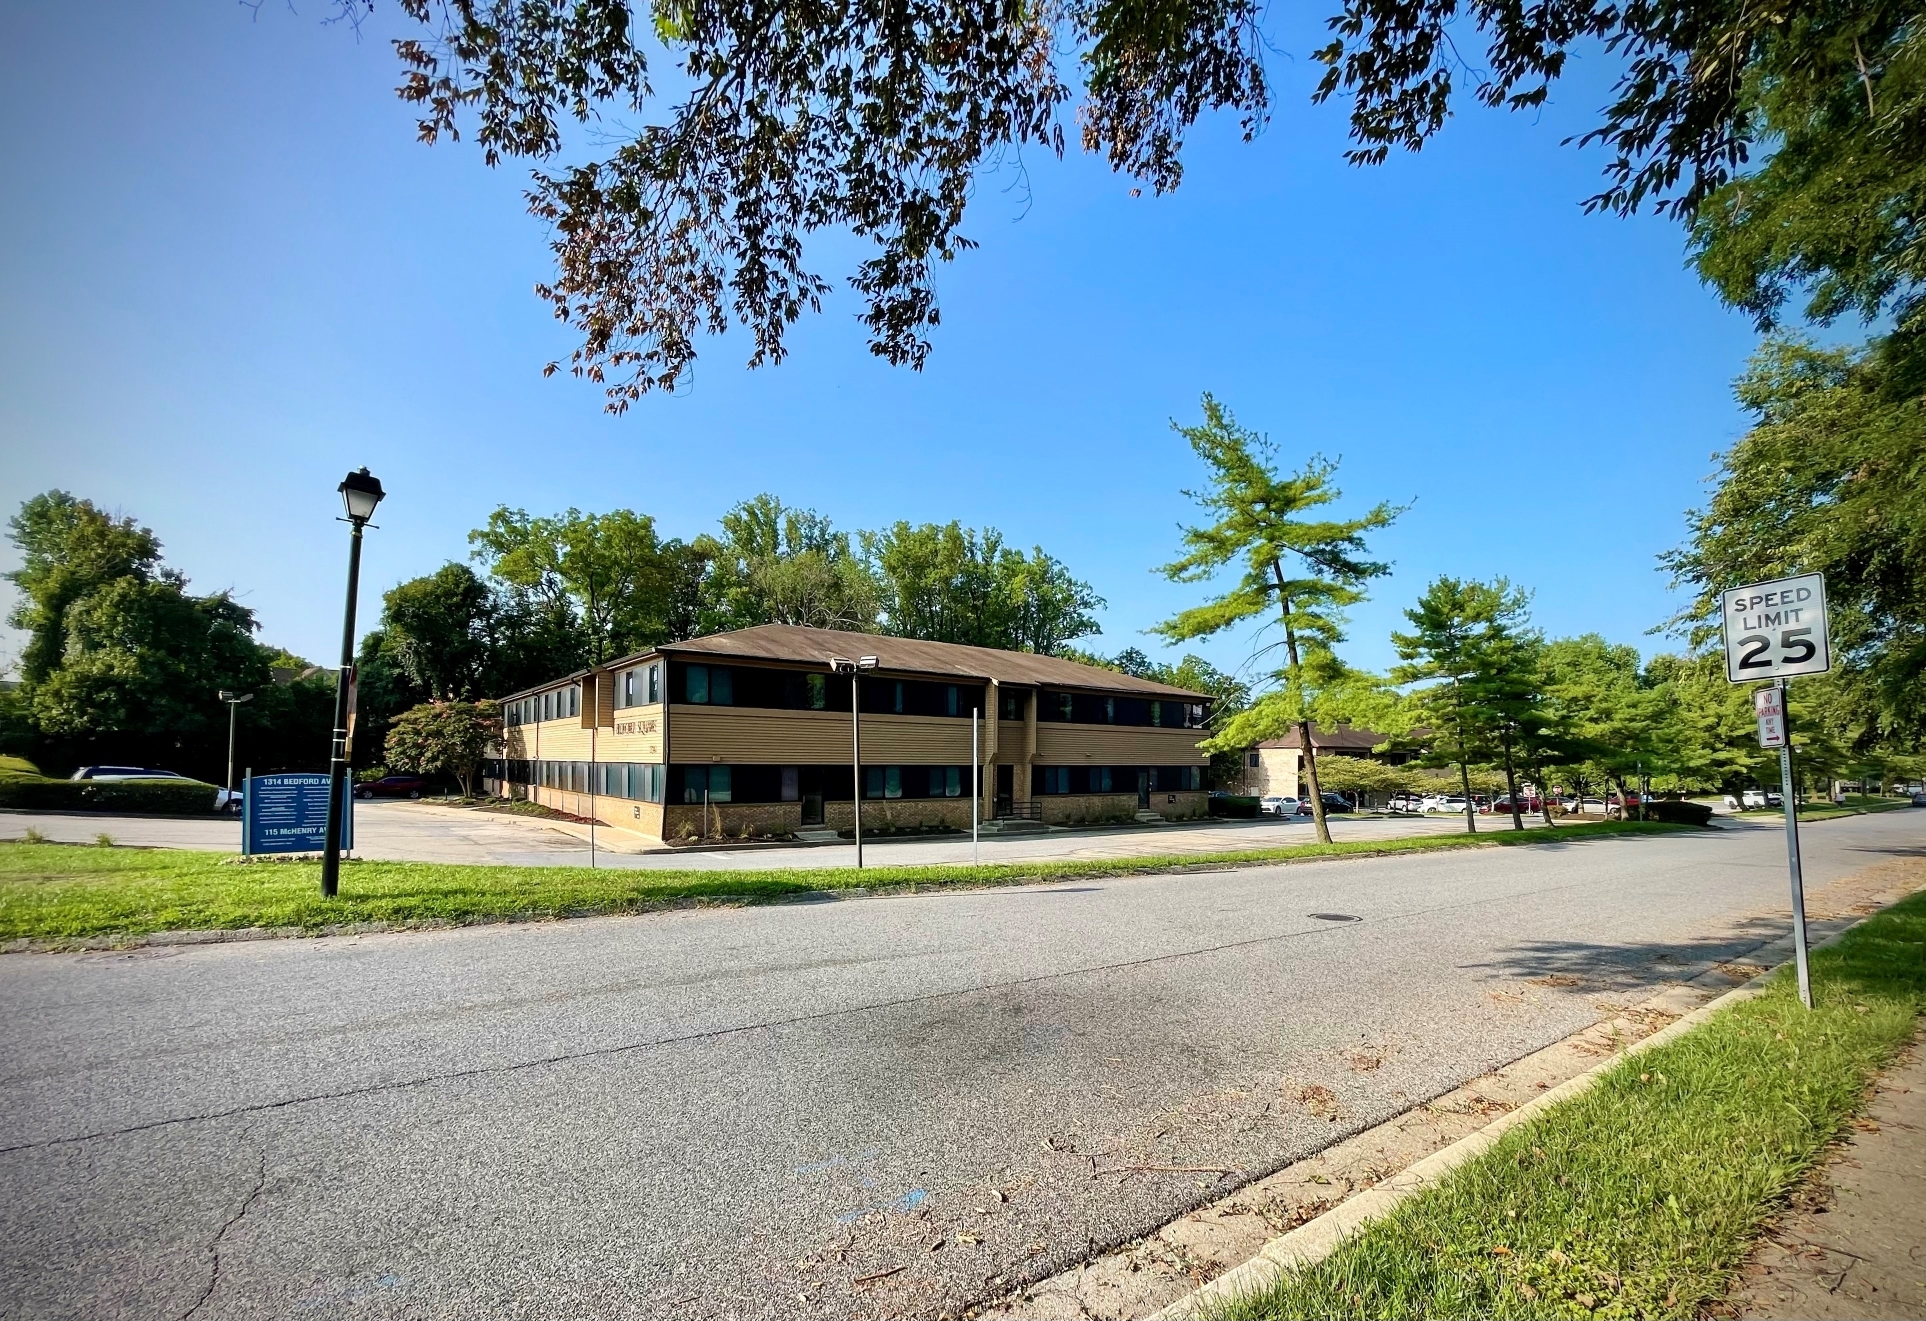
230,800
1442,803
392,786
1526,803
1573,806
1405,802
1919,800
1280,805
124,773
1337,803
1762,798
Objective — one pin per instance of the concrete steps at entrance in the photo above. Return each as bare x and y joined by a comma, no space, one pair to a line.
1151,818
1014,826
818,835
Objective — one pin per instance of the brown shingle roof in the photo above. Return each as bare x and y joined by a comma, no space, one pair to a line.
1342,737
815,646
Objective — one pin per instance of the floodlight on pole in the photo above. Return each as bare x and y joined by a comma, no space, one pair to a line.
233,701
854,669
360,493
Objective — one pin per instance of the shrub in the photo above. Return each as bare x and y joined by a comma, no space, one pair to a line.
1233,806
172,797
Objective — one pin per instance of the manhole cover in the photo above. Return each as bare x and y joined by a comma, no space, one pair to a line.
1336,917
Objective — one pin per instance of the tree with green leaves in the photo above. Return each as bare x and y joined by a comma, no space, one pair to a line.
1297,572
1449,651
626,587
777,564
879,119
444,738
1614,714
949,583
1830,479
68,548
438,630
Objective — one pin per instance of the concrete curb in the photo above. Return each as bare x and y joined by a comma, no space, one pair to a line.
1313,1241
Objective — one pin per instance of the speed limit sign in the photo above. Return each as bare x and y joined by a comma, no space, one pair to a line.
1776,629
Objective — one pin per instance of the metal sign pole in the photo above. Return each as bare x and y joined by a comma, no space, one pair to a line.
1792,849
976,783
856,757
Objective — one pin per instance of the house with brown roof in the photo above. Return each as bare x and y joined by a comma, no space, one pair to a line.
749,734
1276,766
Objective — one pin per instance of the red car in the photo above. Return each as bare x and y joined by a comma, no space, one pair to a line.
1526,803
392,786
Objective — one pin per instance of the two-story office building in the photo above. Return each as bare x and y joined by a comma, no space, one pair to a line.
749,734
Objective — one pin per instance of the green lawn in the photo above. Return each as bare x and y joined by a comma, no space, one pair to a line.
1820,810
63,891
1642,1196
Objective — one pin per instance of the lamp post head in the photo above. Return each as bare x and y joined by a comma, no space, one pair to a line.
360,493
838,665
866,663
225,695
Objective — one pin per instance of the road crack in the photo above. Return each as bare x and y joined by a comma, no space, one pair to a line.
214,1245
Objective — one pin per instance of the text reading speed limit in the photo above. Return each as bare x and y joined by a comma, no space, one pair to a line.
1776,628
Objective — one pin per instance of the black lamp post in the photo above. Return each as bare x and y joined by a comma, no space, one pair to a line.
360,493
854,669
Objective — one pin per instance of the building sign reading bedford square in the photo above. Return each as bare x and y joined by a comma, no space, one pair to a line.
1776,629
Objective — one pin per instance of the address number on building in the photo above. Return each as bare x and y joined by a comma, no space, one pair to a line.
1776,628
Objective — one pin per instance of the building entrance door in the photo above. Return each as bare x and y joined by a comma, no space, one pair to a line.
810,787
1005,790
1143,789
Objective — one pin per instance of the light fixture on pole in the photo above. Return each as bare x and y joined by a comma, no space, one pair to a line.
854,669
233,700
360,493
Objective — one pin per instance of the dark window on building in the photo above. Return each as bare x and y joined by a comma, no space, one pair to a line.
1254,759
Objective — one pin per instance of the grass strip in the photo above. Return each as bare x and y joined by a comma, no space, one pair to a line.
53,892
1641,1197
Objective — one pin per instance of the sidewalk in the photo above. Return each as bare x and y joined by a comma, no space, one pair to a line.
1852,1245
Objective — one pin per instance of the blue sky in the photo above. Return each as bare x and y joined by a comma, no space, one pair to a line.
232,274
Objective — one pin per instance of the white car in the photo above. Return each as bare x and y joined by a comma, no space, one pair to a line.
1278,805
1762,798
1443,803
124,773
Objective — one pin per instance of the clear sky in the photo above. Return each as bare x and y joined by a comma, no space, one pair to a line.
231,274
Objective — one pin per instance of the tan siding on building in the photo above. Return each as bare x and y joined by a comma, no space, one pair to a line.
754,736
1112,745
551,740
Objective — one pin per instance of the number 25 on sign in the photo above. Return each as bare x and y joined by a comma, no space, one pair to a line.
1776,629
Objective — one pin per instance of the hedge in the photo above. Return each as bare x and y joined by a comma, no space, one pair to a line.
1233,805
1677,812
173,797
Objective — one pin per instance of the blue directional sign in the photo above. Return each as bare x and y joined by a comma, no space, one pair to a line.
289,814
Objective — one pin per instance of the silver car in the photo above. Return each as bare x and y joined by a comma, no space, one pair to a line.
1279,805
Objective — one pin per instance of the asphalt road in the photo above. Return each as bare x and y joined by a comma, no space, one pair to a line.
752,1112
426,832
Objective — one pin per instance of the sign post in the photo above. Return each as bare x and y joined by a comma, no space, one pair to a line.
1774,630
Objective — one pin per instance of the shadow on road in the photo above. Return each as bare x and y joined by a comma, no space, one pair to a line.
1587,967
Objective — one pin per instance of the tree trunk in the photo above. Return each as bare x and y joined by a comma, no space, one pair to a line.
1464,771
1303,726
1544,793
1511,786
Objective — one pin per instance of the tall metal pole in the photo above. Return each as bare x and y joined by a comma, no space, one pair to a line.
593,772
976,784
231,708
338,758
1792,849
856,756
